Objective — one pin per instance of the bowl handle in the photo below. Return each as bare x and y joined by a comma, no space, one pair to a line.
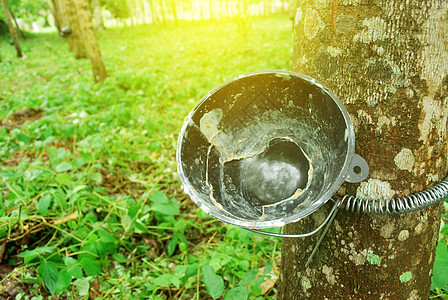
358,170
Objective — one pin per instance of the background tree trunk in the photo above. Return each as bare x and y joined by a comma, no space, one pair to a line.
74,40
63,18
210,8
90,41
163,12
153,9
58,14
174,5
97,16
12,31
17,25
388,63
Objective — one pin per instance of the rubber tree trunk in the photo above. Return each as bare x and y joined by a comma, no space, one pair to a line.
64,14
90,41
97,16
52,10
75,39
12,31
17,25
388,63
59,14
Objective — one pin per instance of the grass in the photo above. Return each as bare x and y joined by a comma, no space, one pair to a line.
90,203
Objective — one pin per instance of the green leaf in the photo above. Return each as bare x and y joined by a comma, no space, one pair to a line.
158,196
91,267
443,231
64,179
78,163
64,280
76,271
192,270
44,204
78,188
268,268
250,276
60,196
213,282
23,138
238,293
70,261
106,236
140,227
52,153
35,252
96,177
11,175
171,246
63,167
440,274
49,272
82,285
167,279
165,208
106,248
119,258
255,286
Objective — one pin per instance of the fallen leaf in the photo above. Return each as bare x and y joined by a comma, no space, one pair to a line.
269,283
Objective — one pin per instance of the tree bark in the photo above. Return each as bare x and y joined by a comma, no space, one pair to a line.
12,31
97,16
58,14
17,25
74,40
388,63
63,14
90,41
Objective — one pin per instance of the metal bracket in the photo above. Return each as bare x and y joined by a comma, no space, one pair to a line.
407,204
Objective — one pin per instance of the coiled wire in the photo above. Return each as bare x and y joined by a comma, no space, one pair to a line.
401,205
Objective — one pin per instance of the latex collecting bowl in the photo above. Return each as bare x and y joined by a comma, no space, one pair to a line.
266,149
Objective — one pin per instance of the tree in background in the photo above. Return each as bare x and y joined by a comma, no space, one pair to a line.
118,8
143,11
12,30
87,33
75,22
57,9
97,15
74,36
29,12
388,62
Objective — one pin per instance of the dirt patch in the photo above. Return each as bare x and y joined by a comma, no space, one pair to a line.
117,182
16,157
20,117
9,288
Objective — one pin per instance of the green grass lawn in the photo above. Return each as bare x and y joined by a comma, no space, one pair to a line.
90,202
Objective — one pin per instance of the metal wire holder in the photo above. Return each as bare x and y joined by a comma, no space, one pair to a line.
401,205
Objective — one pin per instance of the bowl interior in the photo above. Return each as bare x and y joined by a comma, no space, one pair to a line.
265,149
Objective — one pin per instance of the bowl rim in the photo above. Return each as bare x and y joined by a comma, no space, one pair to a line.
342,176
